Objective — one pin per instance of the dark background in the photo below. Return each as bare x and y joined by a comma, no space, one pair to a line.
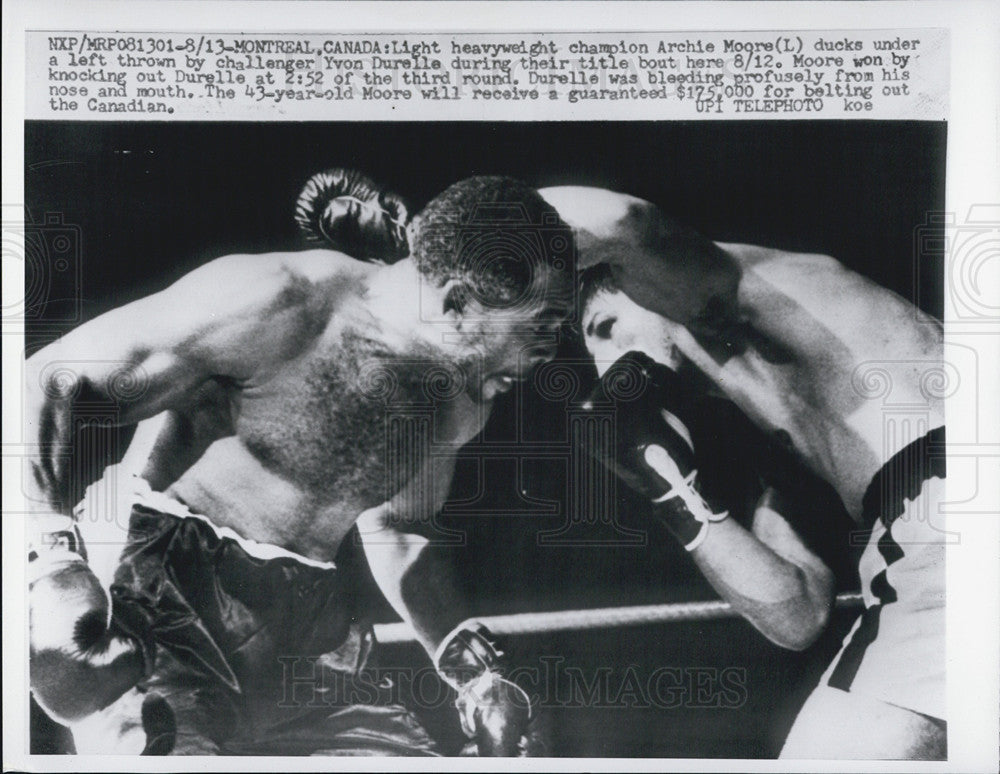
122,209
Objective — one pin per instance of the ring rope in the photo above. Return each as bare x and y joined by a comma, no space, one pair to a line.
595,618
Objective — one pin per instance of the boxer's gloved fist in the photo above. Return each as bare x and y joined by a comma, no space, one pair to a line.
652,451
343,209
77,664
495,713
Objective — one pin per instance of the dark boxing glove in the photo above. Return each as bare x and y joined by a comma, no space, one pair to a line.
494,711
343,209
652,451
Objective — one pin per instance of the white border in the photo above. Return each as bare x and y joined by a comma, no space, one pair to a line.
973,579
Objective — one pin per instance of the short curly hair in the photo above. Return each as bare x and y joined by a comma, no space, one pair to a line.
494,234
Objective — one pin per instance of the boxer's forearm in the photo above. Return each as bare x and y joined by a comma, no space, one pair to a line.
416,577
102,368
77,665
432,595
788,603
229,318
48,425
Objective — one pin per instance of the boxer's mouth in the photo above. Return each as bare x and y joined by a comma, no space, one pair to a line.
495,384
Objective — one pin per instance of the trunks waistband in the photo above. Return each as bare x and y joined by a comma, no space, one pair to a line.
137,491
903,476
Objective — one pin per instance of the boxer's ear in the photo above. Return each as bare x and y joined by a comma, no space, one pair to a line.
454,298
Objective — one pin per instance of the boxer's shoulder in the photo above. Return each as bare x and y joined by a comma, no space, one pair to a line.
272,284
772,262
797,288
321,265
243,312
809,288
274,271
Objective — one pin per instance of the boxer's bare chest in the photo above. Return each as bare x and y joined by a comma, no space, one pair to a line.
340,429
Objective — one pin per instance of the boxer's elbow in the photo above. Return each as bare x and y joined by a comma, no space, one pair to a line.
643,221
49,399
820,583
384,541
797,641
596,211
391,553
809,613
801,636
797,632
60,687
637,230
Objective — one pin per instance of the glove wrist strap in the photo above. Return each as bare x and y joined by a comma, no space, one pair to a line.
686,514
469,661
465,653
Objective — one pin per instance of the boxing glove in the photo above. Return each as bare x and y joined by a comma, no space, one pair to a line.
494,712
652,451
343,209
79,664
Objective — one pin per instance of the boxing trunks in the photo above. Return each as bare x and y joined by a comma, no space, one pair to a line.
250,649
896,651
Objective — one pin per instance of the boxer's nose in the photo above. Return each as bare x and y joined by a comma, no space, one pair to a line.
623,336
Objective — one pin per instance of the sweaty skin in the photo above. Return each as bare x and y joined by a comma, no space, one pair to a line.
299,392
806,348
277,373
795,340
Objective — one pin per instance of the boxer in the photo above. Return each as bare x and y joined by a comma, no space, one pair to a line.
288,384
700,461
786,337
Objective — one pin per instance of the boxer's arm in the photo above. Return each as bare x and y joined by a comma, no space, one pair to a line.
415,574
230,318
659,263
417,577
768,575
227,318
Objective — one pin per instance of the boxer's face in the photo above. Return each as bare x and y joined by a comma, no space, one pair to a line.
613,324
510,342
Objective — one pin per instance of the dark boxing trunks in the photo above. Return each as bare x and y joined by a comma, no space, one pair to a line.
251,650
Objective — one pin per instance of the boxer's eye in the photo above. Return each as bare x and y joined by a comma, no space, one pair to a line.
602,328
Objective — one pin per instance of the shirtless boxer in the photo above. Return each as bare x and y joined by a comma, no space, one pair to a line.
784,335
290,383
766,572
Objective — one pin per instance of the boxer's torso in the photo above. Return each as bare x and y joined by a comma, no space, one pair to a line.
294,454
831,344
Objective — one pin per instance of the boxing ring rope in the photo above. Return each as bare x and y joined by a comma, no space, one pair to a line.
596,618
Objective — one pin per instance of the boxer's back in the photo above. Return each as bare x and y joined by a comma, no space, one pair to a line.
825,332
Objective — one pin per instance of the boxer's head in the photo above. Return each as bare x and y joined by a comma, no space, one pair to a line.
612,324
503,264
